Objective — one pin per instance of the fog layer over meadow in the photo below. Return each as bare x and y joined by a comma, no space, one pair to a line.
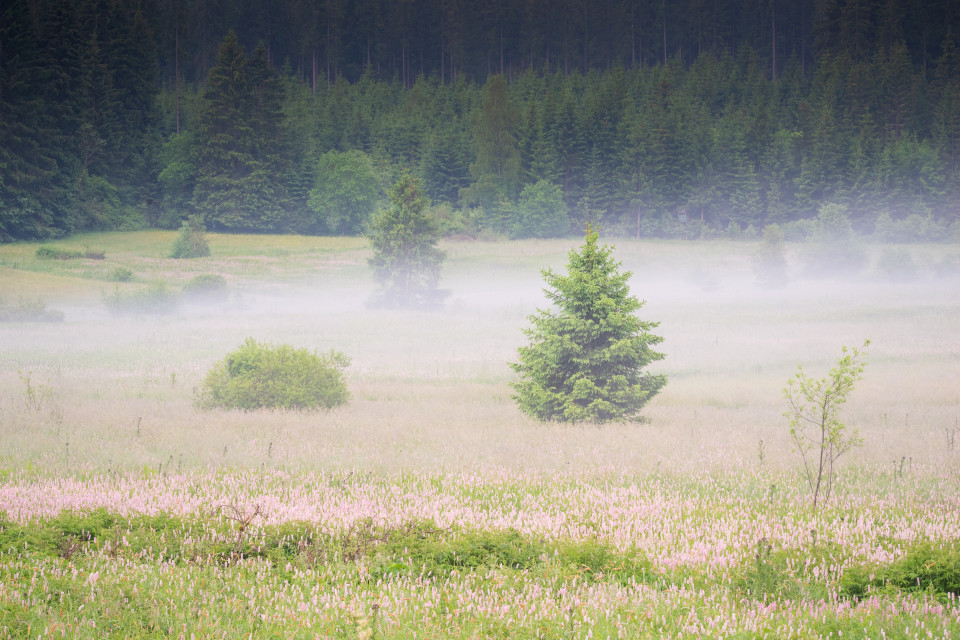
431,389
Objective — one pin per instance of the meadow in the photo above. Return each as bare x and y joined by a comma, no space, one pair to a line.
429,506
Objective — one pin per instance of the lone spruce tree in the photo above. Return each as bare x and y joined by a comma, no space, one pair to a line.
585,359
406,260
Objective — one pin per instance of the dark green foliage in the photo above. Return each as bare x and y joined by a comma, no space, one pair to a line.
238,186
155,299
176,177
496,171
345,193
586,358
261,375
114,115
540,212
77,111
406,261
191,241
925,567
29,310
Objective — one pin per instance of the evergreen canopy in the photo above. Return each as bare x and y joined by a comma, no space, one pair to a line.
585,360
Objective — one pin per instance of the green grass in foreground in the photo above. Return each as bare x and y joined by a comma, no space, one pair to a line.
98,574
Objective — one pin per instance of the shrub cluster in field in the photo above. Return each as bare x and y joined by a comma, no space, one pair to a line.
191,241
29,310
207,287
158,298
422,548
154,299
45,252
260,375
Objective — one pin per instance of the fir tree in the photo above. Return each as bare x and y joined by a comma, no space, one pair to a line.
238,186
585,360
406,261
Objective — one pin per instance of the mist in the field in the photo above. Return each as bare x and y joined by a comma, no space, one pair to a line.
431,389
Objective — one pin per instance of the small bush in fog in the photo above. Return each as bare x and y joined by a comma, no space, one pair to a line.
896,264
913,228
586,358
799,230
29,310
770,259
835,250
261,375
155,299
121,274
191,242
206,286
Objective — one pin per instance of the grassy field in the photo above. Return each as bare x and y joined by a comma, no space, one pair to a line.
429,507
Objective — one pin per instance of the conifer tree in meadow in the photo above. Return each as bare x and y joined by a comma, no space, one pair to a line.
586,357
406,260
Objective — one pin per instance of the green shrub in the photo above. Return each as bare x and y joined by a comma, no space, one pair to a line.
770,259
206,287
835,250
261,375
799,230
924,568
155,299
896,264
121,274
191,242
45,252
29,310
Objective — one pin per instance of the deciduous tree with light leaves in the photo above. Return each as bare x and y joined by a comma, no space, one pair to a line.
817,433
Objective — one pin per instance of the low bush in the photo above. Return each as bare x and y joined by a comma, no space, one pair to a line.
29,310
206,287
155,299
121,274
45,252
191,242
924,568
896,264
260,375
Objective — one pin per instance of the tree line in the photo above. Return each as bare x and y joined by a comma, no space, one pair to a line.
714,120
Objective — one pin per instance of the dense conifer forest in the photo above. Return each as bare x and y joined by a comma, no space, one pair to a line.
669,119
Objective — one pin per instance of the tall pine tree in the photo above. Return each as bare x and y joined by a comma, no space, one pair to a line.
239,187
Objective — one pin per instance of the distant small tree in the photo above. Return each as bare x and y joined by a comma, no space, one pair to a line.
406,261
770,259
586,359
191,241
815,427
